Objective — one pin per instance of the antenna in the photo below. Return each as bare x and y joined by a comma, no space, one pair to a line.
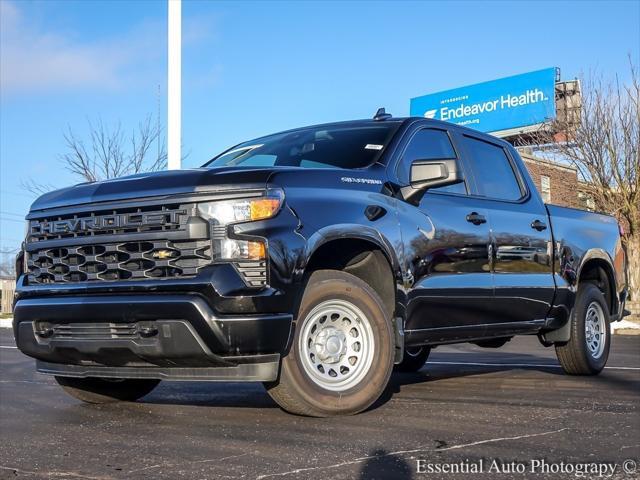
381,114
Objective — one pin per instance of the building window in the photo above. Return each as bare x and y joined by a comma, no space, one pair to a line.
545,188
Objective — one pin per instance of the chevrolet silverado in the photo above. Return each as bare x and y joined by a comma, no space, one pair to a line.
312,260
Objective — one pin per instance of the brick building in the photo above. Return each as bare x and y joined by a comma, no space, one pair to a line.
557,183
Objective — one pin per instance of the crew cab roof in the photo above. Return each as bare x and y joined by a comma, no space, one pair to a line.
405,121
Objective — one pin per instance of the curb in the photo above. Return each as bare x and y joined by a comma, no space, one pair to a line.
626,327
627,331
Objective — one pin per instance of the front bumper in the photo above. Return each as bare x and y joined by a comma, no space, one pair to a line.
165,336
266,371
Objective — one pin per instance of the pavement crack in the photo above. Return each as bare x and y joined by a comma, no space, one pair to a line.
167,465
53,473
27,381
438,448
629,446
500,439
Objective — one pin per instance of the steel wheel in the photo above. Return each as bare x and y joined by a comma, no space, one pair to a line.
343,349
336,345
595,329
587,350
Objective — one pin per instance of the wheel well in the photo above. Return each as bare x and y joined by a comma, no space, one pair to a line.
599,273
361,258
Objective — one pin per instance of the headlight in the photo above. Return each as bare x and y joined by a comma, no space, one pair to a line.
225,212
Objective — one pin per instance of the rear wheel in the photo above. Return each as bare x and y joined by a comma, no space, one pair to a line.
342,353
106,390
587,351
414,359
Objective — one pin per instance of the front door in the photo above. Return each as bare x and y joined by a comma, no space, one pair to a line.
446,249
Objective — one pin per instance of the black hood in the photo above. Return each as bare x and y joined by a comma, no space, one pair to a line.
156,184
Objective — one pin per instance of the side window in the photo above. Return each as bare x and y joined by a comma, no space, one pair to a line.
492,169
429,144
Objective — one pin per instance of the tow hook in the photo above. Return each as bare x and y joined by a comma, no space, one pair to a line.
147,331
44,331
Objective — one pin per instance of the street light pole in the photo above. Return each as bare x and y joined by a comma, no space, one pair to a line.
174,87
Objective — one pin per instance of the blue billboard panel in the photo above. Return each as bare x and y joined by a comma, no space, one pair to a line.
512,102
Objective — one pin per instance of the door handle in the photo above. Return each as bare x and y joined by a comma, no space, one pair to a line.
538,225
476,218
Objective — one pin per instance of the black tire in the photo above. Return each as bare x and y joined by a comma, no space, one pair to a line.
296,391
414,359
575,356
101,390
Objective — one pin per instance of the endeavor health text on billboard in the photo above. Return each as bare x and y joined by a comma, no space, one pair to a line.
518,101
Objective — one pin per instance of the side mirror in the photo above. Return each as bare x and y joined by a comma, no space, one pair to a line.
426,174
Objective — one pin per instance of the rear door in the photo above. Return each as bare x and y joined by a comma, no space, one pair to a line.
521,244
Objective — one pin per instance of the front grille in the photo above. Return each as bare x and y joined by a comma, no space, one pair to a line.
118,261
91,331
126,243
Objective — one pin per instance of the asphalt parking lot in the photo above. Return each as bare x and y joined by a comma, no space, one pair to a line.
468,404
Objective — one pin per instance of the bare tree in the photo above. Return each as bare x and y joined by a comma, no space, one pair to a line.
109,152
604,147
36,188
7,262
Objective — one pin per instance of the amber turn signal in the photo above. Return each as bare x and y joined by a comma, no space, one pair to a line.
256,250
264,208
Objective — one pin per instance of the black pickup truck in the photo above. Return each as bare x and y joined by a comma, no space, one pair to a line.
312,260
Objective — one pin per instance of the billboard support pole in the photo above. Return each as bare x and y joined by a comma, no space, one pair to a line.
174,87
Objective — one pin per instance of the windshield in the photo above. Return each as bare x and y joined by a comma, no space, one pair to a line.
326,146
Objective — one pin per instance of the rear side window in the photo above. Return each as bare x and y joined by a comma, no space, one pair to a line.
429,144
494,174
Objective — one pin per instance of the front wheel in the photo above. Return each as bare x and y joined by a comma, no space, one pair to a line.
106,390
342,354
587,350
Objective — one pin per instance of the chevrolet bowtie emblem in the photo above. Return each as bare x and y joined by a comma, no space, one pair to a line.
162,254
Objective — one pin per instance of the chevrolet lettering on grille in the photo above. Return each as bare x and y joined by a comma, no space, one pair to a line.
106,222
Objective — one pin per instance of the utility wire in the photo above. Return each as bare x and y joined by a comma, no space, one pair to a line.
2,212
22,194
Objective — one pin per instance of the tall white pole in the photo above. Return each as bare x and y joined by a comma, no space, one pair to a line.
174,88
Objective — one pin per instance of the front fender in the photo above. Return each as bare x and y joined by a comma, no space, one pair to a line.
356,232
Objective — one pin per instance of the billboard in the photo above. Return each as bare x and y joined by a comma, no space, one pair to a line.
512,102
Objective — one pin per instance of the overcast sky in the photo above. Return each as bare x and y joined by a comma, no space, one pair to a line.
251,68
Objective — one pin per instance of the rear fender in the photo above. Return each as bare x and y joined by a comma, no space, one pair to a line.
563,334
